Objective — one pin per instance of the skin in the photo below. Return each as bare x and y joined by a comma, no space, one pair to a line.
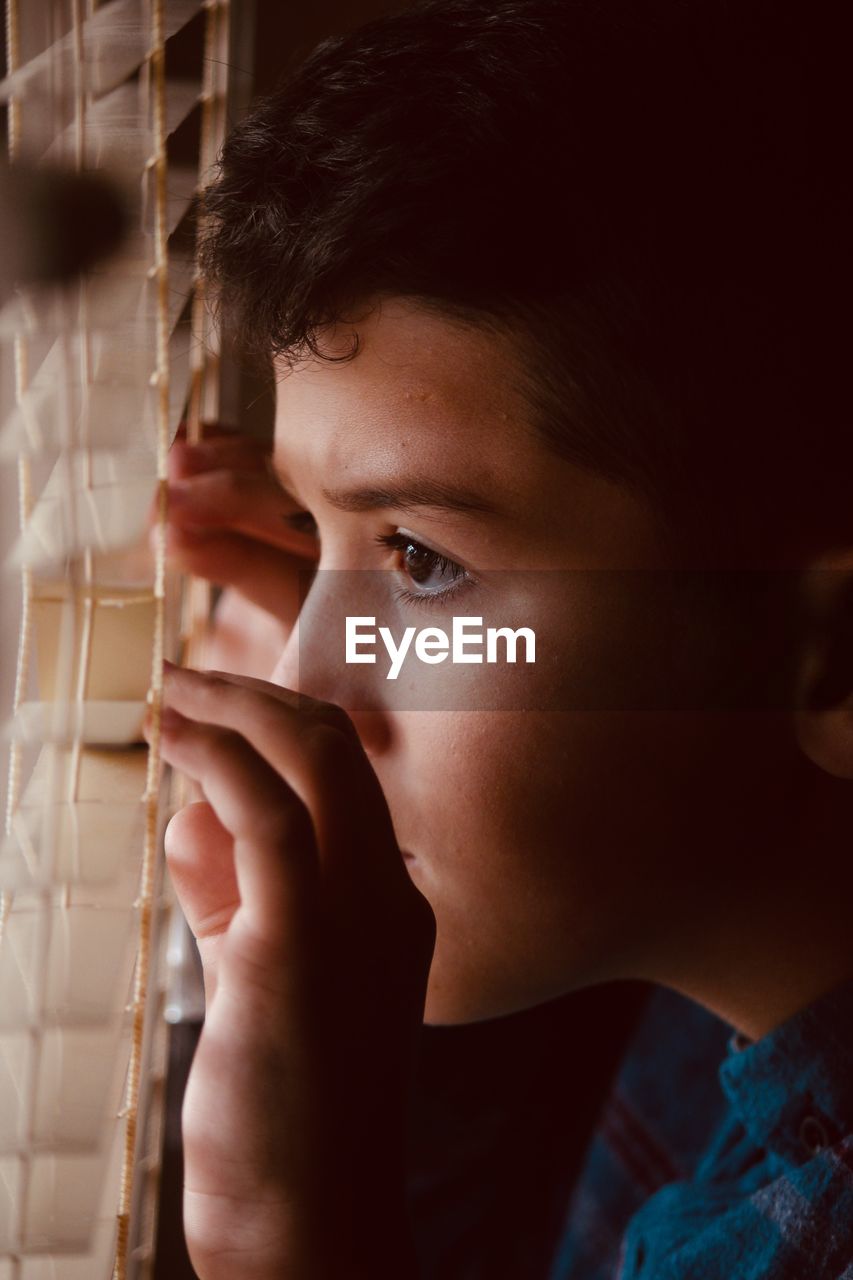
557,845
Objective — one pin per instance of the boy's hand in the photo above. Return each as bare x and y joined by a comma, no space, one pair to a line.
228,521
316,948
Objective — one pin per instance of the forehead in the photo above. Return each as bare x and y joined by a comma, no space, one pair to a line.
428,400
422,390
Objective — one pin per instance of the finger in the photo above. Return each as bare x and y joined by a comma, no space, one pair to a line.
253,504
200,855
312,744
275,860
230,450
284,725
268,576
223,448
207,426
327,712
200,688
323,712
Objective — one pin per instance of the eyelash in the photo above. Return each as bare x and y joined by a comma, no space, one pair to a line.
403,543
304,522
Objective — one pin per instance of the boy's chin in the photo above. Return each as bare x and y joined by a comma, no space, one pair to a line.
457,1003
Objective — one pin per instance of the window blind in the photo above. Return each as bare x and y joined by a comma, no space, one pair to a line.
94,377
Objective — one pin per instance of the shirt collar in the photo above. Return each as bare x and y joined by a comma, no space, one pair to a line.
792,1089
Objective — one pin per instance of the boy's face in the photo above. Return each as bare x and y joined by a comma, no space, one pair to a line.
558,847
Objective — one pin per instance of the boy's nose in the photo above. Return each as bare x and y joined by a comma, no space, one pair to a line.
286,669
312,662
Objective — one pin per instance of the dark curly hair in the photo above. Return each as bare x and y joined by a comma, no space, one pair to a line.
645,194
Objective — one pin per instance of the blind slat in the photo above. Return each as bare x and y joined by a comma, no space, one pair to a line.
115,40
98,500
120,394
96,723
118,132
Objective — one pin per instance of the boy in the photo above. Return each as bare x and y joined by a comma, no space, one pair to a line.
554,292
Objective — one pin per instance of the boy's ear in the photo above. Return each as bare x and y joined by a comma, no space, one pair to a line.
824,714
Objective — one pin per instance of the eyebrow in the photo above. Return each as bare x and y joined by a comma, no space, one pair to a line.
407,495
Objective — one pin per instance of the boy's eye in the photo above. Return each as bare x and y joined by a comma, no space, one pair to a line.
433,572
302,522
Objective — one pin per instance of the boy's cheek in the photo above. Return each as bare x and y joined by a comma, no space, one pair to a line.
485,830
543,842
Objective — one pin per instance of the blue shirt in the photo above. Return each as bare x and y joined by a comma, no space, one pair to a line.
740,1173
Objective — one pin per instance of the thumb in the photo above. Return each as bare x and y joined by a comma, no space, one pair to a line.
200,855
